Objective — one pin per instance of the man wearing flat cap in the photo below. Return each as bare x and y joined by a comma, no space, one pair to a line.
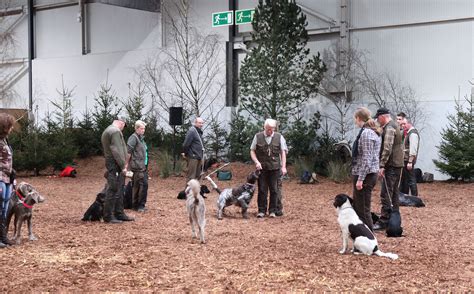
115,153
391,164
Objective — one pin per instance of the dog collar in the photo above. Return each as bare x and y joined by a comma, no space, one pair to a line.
22,201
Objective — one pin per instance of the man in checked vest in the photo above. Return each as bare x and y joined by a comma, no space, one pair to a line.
268,152
411,143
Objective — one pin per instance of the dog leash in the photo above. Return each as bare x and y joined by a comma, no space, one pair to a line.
22,201
217,169
388,192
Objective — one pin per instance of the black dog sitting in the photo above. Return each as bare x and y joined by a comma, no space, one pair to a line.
204,190
394,226
96,211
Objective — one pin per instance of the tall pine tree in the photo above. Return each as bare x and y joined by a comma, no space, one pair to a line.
279,73
456,150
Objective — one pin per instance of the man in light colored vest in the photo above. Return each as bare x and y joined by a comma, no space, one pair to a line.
137,162
268,152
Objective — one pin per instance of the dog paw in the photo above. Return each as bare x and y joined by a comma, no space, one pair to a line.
33,238
342,251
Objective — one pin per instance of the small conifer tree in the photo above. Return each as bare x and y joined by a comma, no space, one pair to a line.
456,150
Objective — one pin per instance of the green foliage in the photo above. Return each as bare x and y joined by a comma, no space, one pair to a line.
324,152
105,110
301,164
456,150
166,165
30,148
302,135
216,139
85,137
279,74
242,131
59,133
338,171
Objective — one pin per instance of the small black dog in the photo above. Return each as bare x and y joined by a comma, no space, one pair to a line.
96,211
394,226
204,190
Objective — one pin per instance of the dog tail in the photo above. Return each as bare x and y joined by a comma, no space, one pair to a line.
392,256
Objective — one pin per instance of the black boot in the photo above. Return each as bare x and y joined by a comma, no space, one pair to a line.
3,234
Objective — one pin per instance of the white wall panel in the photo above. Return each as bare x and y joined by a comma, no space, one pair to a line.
116,28
58,33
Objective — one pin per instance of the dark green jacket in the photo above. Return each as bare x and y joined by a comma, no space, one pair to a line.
114,145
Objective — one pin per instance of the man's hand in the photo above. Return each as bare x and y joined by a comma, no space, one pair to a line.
382,172
359,185
258,165
283,170
409,166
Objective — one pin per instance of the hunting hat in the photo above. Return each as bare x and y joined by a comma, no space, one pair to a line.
381,111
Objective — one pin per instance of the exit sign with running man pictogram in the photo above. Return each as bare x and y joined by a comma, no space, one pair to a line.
225,18
244,16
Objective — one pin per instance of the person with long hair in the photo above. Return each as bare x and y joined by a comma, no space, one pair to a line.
7,175
365,163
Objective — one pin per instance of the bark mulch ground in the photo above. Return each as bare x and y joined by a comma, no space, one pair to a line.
296,252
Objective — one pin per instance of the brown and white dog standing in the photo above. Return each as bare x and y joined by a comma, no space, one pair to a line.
196,208
21,206
363,240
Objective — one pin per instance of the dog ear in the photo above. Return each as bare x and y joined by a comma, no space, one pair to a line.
205,189
24,188
341,199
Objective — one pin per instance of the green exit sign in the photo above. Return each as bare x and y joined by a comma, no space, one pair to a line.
225,18
244,16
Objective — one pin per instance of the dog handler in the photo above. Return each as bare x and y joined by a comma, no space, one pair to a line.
137,161
269,155
115,153
6,173
365,163
391,164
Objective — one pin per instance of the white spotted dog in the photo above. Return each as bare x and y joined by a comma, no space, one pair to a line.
196,208
240,196
363,240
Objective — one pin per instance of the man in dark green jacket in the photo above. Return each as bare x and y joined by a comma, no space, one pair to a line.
115,153
391,164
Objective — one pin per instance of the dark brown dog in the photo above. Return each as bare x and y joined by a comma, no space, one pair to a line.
21,205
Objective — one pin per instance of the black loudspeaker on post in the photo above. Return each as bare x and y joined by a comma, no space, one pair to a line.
176,116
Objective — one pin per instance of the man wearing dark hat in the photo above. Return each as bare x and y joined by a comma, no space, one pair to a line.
391,164
115,153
